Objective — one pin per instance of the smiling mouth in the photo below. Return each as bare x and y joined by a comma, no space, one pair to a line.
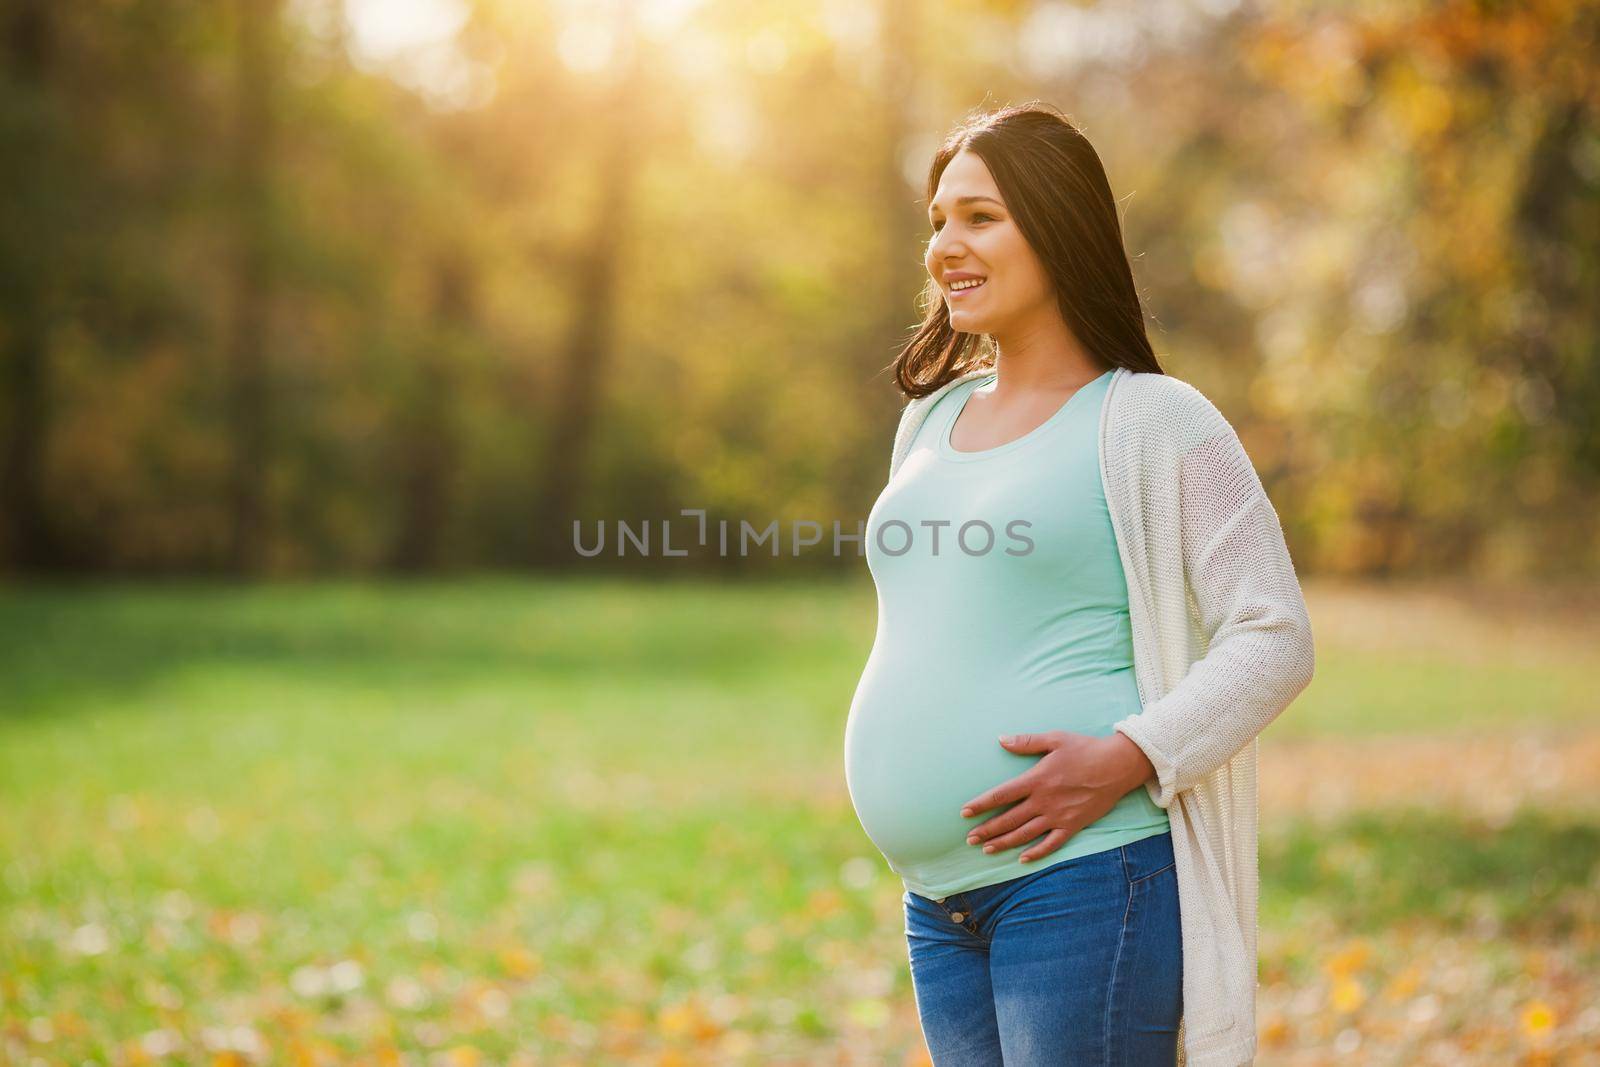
968,289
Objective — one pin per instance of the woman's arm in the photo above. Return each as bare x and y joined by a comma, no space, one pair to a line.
1250,606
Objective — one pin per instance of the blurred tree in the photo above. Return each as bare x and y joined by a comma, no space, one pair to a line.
254,149
584,359
32,273
1456,178
274,301
427,436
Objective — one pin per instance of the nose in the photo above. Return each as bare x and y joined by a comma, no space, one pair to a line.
944,248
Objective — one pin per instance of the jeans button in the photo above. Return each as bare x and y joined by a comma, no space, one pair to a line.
956,916
938,900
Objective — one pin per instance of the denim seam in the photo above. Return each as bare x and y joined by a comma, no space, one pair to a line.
1116,970
1144,877
1152,874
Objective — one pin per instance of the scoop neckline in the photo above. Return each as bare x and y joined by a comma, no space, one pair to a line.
949,451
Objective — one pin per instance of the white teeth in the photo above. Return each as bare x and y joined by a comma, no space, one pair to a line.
967,283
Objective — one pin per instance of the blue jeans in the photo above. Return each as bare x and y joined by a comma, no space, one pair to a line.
1078,964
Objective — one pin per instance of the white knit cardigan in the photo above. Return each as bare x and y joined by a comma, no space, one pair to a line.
1222,644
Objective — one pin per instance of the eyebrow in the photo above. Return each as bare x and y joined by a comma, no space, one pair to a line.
969,199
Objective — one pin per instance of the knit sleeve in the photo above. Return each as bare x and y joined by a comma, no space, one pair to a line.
900,433
1242,584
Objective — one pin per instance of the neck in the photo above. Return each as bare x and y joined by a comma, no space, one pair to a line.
1041,356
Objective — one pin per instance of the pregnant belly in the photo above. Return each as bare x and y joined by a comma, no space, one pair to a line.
922,742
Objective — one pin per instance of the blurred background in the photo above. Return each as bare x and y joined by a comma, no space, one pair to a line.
322,320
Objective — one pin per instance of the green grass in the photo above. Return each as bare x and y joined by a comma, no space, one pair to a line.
585,796
1529,878
1361,693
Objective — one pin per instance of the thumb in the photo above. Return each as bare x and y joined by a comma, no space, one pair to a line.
1027,742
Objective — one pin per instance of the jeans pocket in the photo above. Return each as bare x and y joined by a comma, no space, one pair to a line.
1148,857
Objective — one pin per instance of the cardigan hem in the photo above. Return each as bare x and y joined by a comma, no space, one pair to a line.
1239,1053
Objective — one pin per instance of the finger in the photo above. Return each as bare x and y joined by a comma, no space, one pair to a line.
1009,819
1044,742
1052,841
1028,831
1016,789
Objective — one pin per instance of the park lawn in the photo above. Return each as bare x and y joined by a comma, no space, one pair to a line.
604,821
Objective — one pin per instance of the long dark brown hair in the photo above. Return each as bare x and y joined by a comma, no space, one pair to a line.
1051,178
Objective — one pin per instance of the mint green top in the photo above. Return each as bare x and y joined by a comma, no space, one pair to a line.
1017,626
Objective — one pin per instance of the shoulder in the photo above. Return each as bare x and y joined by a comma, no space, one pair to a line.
912,415
916,410
926,402
921,405
1172,395
1170,407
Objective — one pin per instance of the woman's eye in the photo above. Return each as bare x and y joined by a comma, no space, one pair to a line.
975,217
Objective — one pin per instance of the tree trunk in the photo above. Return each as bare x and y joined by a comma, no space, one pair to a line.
575,406
875,401
247,399
428,439
29,43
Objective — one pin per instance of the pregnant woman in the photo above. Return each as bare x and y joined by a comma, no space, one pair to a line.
1086,615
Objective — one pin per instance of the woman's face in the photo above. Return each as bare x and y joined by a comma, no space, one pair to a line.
974,237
